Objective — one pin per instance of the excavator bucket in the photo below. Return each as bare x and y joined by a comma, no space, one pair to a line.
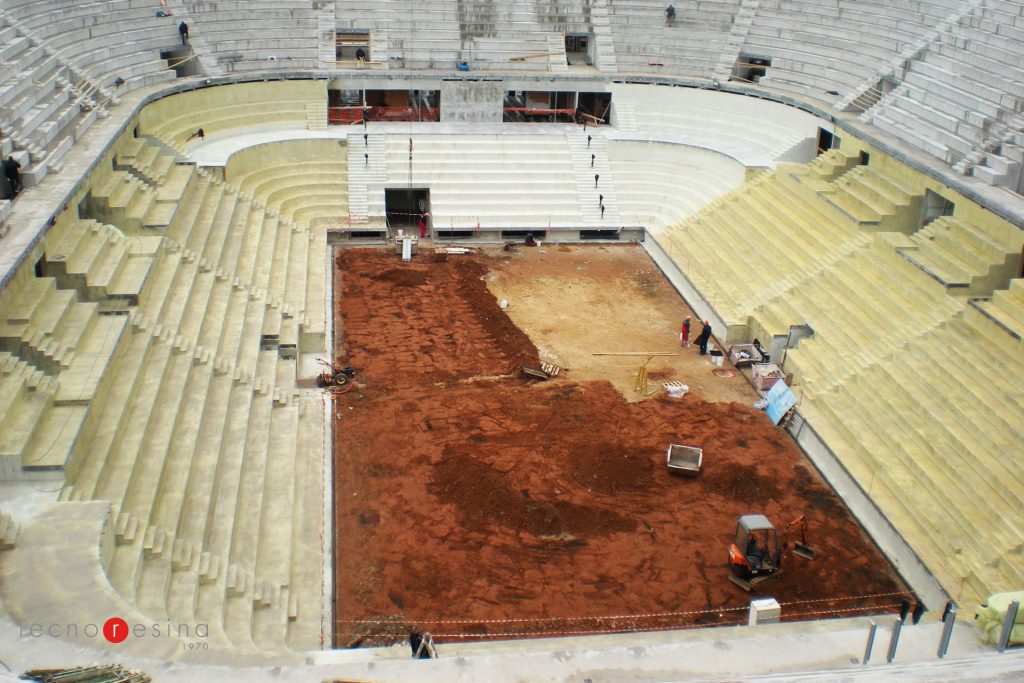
803,550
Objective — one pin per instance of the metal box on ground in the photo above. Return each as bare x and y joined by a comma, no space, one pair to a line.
684,460
736,352
766,375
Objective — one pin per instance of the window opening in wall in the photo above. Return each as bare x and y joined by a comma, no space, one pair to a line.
593,107
346,107
750,68
935,206
577,48
403,105
864,158
352,46
533,106
599,234
825,140
521,234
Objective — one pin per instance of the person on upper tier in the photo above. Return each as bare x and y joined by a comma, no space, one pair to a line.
12,171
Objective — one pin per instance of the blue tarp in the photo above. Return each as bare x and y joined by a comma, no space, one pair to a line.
780,399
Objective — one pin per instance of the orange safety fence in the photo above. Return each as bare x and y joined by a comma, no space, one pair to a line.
350,632
350,115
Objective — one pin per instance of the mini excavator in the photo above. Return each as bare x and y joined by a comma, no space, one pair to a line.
755,558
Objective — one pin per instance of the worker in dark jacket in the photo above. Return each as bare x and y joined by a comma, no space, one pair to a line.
12,170
703,337
183,31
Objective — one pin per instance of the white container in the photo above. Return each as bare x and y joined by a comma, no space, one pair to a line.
764,611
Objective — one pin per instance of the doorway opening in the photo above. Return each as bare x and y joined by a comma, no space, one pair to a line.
577,46
825,140
405,206
593,106
935,206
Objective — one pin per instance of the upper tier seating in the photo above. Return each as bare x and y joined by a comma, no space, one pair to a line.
254,36
961,98
101,41
690,46
438,35
60,64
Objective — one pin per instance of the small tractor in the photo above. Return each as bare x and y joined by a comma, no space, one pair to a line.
335,376
755,558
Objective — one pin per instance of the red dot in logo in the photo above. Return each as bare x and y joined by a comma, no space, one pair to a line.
115,630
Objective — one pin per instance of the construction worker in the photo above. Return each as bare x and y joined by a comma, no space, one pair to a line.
183,32
12,171
670,15
703,337
684,334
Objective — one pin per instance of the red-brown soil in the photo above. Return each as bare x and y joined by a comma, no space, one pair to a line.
471,501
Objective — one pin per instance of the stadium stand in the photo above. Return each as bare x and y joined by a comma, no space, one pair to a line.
158,319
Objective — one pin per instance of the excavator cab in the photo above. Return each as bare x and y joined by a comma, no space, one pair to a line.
755,557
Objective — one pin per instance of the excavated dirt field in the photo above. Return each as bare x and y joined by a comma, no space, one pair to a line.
472,502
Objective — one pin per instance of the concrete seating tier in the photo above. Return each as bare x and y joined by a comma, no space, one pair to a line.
205,521
26,397
950,102
126,200
930,431
660,184
690,46
175,120
248,36
1006,308
309,193
102,40
99,262
51,332
816,48
496,181
879,312
765,227
42,112
720,122
966,258
871,198
509,36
